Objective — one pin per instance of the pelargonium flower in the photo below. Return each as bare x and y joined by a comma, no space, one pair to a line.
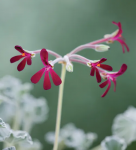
47,68
111,77
117,36
96,64
24,54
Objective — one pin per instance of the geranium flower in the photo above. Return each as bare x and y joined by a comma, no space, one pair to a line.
117,36
96,64
111,77
25,54
48,68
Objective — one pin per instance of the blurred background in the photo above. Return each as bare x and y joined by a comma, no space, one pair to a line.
62,25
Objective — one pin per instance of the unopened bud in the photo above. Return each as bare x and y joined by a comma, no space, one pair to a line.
102,48
69,67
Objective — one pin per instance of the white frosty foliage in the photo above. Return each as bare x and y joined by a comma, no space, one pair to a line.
19,136
35,146
34,109
124,125
113,143
4,131
73,137
10,148
13,87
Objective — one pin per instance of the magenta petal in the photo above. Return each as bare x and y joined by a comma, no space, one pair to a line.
122,70
21,65
44,57
102,85
56,79
47,83
29,60
114,81
92,71
123,44
98,77
106,67
19,48
102,60
16,58
37,76
109,85
120,29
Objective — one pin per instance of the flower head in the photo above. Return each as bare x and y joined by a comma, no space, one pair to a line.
111,77
98,64
24,54
47,68
117,36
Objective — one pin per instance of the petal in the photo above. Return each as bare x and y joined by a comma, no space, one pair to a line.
98,77
123,44
92,71
29,60
21,65
102,60
44,57
120,29
56,79
37,76
19,48
102,85
122,70
16,58
47,83
114,81
109,85
106,67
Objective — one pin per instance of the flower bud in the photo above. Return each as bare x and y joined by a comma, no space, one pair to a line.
69,67
101,48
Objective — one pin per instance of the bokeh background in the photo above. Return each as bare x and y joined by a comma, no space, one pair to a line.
62,25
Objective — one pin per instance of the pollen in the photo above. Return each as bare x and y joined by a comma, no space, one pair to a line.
23,54
120,35
99,65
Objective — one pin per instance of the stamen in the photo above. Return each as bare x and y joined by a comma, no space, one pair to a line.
99,65
23,54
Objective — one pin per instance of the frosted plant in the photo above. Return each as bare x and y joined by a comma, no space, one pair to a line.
113,143
37,113
72,137
4,130
26,146
124,125
10,148
15,109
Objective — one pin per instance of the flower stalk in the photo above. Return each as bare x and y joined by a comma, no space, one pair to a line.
59,109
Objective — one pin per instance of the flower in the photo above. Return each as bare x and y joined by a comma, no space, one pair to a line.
25,54
48,68
96,64
117,36
111,77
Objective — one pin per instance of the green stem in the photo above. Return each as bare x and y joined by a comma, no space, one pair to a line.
60,98
16,123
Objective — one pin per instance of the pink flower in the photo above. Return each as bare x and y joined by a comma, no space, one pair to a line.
48,68
111,77
95,69
27,58
117,36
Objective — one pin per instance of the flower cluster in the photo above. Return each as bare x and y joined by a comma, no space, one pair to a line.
101,70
